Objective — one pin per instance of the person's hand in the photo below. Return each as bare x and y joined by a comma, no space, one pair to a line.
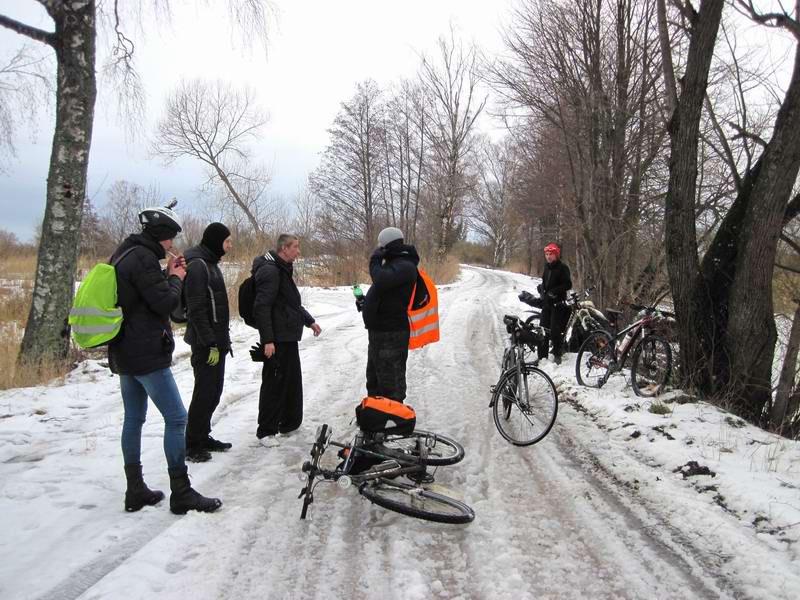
551,295
378,253
540,289
526,297
176,266
257,353
213,356
360,304
316,329
269,350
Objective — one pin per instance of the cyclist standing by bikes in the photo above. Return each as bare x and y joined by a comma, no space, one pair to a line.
556,282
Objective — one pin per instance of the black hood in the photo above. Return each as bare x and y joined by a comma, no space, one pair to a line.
397,248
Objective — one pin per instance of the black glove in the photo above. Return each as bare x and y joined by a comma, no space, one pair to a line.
378,253
540,289
360,304
257,353
551,295
526,297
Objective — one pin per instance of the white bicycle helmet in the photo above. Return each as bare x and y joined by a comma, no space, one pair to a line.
160,216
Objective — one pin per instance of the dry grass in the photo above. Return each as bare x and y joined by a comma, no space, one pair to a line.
444,272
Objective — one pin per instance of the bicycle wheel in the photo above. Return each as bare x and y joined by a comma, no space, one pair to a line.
442,450
594,359
417,502
525,406
651,365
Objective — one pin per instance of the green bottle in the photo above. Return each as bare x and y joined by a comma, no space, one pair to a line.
357,292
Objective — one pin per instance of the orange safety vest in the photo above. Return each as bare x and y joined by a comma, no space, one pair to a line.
423,312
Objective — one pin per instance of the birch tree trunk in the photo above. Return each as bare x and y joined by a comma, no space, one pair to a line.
46,332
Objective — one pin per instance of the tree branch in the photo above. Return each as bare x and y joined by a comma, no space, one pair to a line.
32,32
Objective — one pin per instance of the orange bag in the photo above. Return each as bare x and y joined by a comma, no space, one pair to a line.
378,414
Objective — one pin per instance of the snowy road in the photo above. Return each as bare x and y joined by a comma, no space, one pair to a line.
549,523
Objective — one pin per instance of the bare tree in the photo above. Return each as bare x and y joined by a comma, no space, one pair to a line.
492,211
120,214
215,123
406,156
75,25
724,302
450,81
589,70
348,181
25,85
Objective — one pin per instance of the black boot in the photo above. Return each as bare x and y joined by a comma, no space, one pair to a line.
138,495
183,498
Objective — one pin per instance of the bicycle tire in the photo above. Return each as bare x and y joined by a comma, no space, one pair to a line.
651,366
534,415
417,502
594,359
445,450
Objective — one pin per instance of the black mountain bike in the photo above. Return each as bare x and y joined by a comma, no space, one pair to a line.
524,400
391,457
603,354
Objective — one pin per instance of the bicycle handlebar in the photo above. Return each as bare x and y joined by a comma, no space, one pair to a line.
651,309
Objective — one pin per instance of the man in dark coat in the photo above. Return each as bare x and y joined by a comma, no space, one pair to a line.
393,270
142,354
280,317
207,332
556,282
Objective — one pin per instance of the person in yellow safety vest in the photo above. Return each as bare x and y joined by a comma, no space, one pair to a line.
393,270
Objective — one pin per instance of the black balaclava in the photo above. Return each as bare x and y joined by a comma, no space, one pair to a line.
160,232
213,237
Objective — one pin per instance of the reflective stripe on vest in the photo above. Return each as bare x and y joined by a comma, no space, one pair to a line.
89,311
97,328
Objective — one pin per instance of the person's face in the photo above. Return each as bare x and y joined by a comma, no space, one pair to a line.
167,244
227,245
291,251
550,256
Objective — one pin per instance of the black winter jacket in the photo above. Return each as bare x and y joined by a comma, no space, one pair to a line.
202,329
146,296
556,279
277,307
394,272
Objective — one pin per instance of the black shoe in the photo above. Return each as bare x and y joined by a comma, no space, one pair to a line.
216,446
197,455
557,359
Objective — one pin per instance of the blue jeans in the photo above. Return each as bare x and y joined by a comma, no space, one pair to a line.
160,386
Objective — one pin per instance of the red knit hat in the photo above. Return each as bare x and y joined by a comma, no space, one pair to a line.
552,248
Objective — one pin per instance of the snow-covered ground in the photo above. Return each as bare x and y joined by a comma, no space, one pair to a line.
598,509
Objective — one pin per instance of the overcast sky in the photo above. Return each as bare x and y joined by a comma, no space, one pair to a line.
318,51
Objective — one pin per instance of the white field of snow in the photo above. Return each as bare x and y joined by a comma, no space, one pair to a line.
592,511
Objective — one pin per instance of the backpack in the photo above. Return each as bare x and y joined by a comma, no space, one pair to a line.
95,318
375,413
423,312
180,314
247,300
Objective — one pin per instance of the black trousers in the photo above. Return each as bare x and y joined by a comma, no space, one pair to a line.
386,364
280,403
555,320
208,382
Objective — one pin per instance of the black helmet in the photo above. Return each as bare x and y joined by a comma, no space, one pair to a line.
161,222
